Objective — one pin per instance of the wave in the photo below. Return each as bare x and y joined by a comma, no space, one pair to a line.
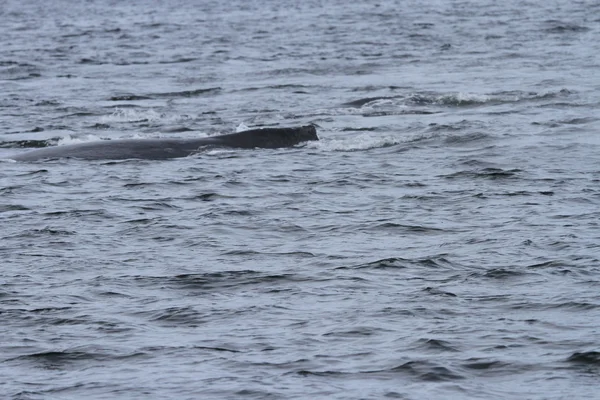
456,99
397,262
163,95
591,358
141,115
486,173
362,142
420,370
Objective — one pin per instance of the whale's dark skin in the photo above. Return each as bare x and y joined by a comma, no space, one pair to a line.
159,149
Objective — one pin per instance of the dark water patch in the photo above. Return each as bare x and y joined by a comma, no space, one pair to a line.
46,103
98,126
19,72
46,310
179,316
438,292
59,360
11,207
84,320
562,27
46,316
128,97
187,93
229,279
436,262
553,94
476,163
423,25
585,358
425,371
517,194
435,345
415,185
575,306
255,394
177,129
364,101
178,60
113,294
561,105
75,115
382,264
405,229
569,121
571,306
287,86
466,138
44,232
10,189
435,127
485,173
490,368
552,265
294,87
479,365
304,372
205,197
396,262
154,184
501,274
217,349
361,129
578,121
91,61
163,95
92,215
358,331
240,213
6,63
376,113
158,205
204,282
33,173
119,106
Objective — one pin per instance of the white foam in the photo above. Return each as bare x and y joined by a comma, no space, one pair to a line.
80,139
463,98
242,127
136,115
360,142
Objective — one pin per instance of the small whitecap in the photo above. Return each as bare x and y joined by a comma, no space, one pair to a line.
242,127
66,140
358,142
462,98
136,115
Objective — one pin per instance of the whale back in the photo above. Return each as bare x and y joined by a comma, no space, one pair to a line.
269,138
158,149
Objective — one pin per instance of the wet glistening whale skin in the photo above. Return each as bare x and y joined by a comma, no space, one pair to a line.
158,149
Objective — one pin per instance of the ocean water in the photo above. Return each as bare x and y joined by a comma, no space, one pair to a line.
441,240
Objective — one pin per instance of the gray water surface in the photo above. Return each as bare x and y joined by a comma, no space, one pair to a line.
441,240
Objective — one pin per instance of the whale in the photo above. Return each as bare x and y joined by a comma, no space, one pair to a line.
163,148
